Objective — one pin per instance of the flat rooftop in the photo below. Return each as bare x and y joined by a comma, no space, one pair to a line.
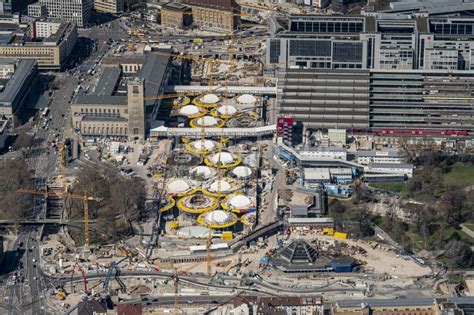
153,72
57,37
391,165
102,100
22,72
108,81
174,6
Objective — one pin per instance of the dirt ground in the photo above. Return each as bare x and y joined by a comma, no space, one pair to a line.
383,261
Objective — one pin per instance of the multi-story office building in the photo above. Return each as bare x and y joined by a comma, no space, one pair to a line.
376,74
366,157
10,19
415,306
17,87
119,104
45,29
109,6
372,42
176,15
221,15
13,6
384,101
7,68
77,11
306,44
50,53
37,10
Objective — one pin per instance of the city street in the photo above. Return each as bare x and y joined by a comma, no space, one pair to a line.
28,297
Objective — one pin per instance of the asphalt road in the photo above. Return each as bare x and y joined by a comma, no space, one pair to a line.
278,183
189,300
27,297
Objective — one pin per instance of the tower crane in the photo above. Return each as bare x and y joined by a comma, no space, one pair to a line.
208,251
151,98
85,197
175,278
176,292
85,201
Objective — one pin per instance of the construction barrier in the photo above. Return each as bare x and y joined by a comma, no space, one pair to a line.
340,235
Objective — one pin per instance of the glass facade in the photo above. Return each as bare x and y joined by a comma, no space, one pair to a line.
347,52
324,26
458,28
274,50
310,48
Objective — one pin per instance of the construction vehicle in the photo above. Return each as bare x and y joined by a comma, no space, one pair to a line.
61,294
227,235
328,231
340,235
83,274
174,225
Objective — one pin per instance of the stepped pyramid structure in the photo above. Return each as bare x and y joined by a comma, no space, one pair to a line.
300,257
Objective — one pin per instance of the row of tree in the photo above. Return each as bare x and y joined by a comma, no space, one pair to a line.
14,175
434,222
122,201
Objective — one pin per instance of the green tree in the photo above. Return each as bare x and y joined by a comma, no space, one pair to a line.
14,175
122,201
337,210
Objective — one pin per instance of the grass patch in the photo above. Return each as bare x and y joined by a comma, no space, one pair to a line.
414,240
460,175
449,232
393,187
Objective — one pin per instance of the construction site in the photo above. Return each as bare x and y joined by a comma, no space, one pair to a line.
219,219
216,229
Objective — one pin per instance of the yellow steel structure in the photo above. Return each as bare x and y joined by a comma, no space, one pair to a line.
237,161
86,219
213,203
203,105
186,101
195,124
169,206
165,96
248,218
218,226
